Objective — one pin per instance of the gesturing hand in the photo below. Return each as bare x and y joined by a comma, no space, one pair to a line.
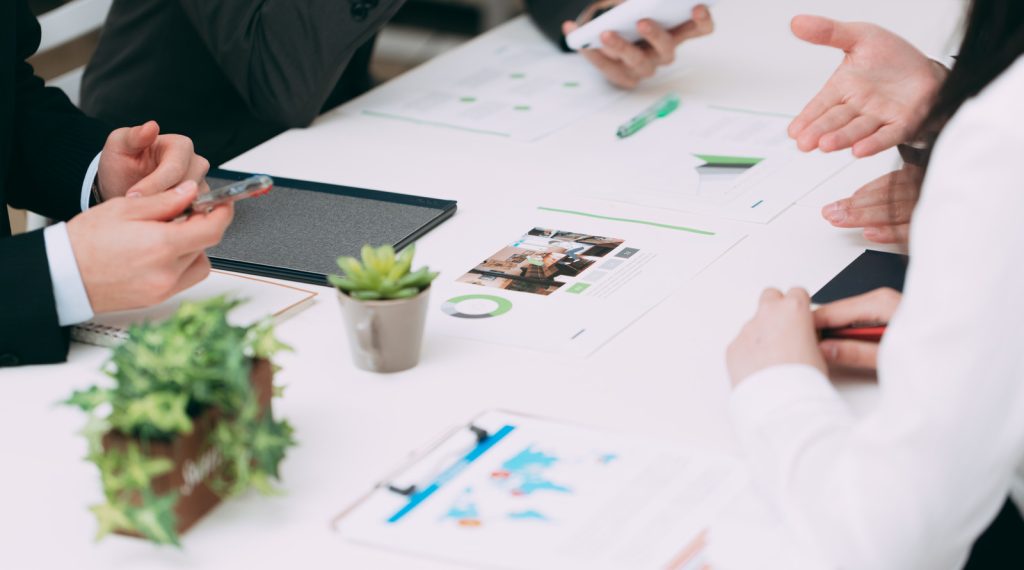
130,254
878,306
782,332
876,99
882,207
141,160
626,64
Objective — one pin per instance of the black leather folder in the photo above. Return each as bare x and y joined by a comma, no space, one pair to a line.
298,230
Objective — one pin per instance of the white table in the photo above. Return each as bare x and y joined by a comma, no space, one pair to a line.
354,426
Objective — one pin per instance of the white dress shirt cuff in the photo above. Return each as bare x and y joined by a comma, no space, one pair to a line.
90,177
72,301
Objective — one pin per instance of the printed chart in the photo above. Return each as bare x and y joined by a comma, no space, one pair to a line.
567,280
730,163
511,90
535,493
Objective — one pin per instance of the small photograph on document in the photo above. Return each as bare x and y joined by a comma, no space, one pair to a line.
541,261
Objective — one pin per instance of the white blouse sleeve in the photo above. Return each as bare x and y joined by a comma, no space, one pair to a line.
912,484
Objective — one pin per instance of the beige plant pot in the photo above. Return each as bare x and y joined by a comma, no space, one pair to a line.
385,336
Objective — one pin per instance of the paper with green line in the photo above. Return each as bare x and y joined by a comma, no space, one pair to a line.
730,163
567,275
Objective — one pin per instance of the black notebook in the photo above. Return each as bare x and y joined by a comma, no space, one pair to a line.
871,270
299,229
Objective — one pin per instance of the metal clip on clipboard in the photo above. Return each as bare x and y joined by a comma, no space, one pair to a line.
448,460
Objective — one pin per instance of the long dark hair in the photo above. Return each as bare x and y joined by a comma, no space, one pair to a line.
993,40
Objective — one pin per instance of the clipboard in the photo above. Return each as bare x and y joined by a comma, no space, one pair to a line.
514,491
298,230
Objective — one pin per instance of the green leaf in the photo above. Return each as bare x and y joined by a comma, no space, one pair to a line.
88,400
155,519
109,519
366,295
342,283
369,255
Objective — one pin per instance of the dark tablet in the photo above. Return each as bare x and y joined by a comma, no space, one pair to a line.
299,229
871,270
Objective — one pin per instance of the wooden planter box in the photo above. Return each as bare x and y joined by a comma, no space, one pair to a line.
194,462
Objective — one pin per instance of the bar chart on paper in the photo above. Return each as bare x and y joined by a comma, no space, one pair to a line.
731,163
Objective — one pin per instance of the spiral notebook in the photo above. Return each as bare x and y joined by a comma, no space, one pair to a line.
263,298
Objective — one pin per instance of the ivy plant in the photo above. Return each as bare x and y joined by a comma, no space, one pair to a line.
164,377
381,274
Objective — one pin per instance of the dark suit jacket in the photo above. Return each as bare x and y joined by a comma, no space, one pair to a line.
46,146
549,15
231,74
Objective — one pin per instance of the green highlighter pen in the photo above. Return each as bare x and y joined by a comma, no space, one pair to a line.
661,108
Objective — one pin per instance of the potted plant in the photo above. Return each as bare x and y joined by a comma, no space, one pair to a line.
186,422
384,305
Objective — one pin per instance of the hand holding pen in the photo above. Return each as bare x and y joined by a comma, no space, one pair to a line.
850,329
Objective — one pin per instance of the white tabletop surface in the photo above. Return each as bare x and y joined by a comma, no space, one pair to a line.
652,380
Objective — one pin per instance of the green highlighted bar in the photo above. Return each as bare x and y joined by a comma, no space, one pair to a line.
578,288
719,160
629,221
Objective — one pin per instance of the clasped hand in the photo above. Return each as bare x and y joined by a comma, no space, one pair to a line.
785,331
130,251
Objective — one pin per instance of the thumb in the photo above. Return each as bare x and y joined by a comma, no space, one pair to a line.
165,205
568,27
825,32
134,140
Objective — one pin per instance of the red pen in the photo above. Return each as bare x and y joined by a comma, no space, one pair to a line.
866,333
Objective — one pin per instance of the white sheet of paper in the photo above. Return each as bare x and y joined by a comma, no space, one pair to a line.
567,276
540,494
661,165
522,89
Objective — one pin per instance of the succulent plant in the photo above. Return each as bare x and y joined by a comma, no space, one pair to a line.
381,275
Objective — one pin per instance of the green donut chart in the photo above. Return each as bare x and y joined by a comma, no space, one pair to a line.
487,306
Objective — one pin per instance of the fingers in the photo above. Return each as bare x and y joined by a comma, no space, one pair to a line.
883,139
770,294
633,56
858,129
701,24
877,306
826,99
613,71
662,43
888,234
850,353
163,206
886,201
134,140
175,156
194,273
825,32
833,119
200,231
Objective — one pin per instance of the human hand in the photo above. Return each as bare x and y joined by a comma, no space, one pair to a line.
626,64
141,160
131,255
882,207
782,332
878,306
876,99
